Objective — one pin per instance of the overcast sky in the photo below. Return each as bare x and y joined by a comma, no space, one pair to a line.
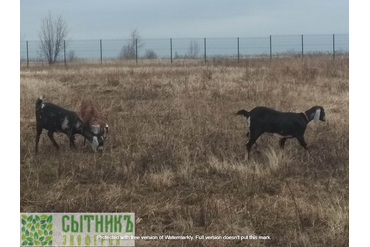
115,19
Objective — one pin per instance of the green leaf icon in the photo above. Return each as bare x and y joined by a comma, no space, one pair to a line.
37,218
24,216
43,226
50,243
30,239
33,228
24,243
36,235
40,232
48,238
41,238
30,243
23,228
31,234
44,216
49,219
29,225
44,243
37,243
23,222
45,232
49,227
27,233
42,222
37,225
51,233
29,219
23,237
33,221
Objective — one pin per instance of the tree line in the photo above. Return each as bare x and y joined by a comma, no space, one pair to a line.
54,32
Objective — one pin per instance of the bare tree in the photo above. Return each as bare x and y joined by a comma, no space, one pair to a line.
193,50
52,34
128,51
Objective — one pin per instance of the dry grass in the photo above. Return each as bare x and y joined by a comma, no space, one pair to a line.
175,151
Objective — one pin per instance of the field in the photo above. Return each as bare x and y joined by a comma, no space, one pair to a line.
175,153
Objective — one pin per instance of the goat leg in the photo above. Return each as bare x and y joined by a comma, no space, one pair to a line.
253,138
282,142
302,142
72,144
51,137
38,133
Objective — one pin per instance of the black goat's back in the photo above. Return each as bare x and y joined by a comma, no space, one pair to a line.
272,121
57,119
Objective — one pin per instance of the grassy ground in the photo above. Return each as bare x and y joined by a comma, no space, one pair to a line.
175,152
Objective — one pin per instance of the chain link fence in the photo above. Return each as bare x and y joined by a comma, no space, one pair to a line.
174,50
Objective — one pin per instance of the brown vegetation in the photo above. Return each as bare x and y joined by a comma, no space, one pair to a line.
176,149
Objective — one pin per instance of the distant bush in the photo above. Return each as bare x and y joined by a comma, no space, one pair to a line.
150,54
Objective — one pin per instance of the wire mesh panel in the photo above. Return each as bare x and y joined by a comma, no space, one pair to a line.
341,43
290,44
113,48
188,48
34,50
221,47
83,49
155,48
313,44
254,46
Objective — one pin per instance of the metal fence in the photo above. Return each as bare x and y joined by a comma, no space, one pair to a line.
170,50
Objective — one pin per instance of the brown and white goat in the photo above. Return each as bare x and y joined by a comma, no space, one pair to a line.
91,117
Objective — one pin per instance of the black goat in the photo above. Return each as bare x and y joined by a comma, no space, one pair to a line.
57,119
285,125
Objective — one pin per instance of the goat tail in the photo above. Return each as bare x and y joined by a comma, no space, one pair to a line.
40,100
244,113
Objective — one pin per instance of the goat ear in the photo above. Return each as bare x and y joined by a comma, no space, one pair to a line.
317,115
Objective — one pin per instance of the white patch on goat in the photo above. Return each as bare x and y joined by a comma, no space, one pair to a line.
42,105
281,136
316,118
78,125
95,128
95,144
65,123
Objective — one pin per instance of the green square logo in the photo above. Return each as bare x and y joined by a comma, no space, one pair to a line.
36,230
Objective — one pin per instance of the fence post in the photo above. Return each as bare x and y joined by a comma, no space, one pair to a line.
333,47
205,50
270,48
136,50
171,48
101,52
64,48
302,45
238,49
27,54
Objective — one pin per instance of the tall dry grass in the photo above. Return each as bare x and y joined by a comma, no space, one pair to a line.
175,151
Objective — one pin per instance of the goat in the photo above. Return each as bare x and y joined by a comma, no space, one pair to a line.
91,117
57,119
285,125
